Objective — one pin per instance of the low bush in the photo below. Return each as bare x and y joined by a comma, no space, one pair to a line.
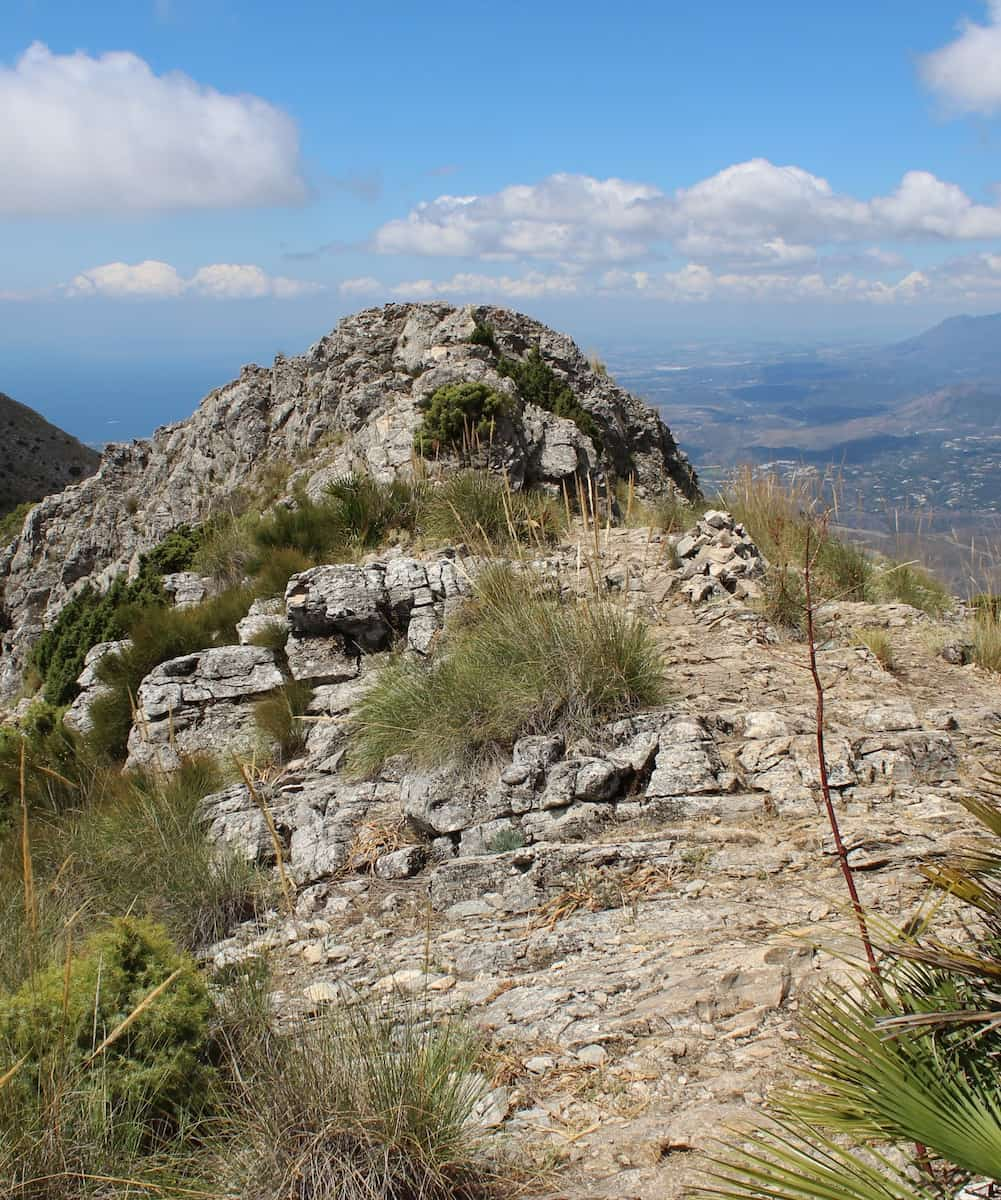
112,1053
907,583
372,1102
12,522
156,635
479,508
459,414
517,661
90,617
538,384
55,765
483,335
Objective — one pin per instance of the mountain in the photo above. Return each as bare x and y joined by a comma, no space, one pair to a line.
37,458
964,345
352,402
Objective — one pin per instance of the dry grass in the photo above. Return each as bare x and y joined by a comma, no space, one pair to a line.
606,888
879,644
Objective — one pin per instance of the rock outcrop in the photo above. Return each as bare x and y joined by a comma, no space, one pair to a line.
355,395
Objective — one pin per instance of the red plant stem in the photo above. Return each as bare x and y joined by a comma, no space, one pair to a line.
921,1150
825,786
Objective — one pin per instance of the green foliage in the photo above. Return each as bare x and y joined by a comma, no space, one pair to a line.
54,763
517,662
59,1018
372,1102
11,523
538,384
483,335
74,1112
177,551
156,635
277,717
367,512
478,508
90,618
141,848
458,414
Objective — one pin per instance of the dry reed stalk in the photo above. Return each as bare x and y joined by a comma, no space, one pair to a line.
9,1074
273,832
27,870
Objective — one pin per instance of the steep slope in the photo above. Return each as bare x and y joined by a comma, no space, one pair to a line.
357,393
36,458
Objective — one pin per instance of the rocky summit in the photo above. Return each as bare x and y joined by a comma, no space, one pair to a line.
350,402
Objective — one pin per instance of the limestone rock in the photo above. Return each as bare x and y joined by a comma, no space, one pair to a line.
201,703
78,714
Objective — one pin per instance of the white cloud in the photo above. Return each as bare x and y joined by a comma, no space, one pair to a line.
364,285
161,281
966,73
83,134
534,283
752,214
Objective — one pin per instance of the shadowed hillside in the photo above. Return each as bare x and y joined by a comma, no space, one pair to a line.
37,458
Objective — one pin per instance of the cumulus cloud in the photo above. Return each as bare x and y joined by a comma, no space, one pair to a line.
85,134
966,73
754,214
462,284
160,281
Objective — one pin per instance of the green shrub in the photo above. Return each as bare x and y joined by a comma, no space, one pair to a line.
458,414
156,635
56,767
538,384
11,523
74,1112
372,1102
59,1018
483,335
477,507
516,662
368,511
90,617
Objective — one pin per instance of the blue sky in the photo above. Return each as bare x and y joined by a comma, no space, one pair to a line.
190,184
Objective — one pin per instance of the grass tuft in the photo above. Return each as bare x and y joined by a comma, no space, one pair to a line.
516,662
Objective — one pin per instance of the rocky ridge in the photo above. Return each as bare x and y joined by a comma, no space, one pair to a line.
350,402
631,920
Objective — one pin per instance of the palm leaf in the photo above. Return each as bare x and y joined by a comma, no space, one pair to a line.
794,1160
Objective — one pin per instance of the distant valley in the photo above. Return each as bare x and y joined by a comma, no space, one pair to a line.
911,431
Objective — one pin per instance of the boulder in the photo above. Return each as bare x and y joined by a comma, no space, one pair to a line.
201,703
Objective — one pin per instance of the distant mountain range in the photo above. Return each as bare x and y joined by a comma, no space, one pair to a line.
36,457
968,346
